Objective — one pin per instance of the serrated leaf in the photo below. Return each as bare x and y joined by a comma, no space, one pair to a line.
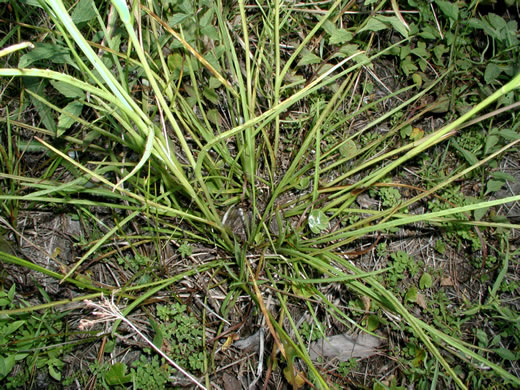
508,134
317,221
308,58
491,141
426,281
185,250
177,19
67,89
329,27
351,49
212,57
429,32
497,21
492,72
175,61
404,52
439,51
65,121
420,50
206,19
209,31
374,24
475,23
394,22
363,59
340,36
500,219
408,66
83,12
450,9
116,375
186,6
346,50
496,340
508,98
440,246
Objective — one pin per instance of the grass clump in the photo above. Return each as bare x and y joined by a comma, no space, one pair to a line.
216,168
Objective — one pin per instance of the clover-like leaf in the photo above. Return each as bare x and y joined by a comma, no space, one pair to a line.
317,221
426,281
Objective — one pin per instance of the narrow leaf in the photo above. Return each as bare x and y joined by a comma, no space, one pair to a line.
146,155
68,90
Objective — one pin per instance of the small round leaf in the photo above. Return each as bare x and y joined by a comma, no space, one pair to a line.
317,221
425,281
